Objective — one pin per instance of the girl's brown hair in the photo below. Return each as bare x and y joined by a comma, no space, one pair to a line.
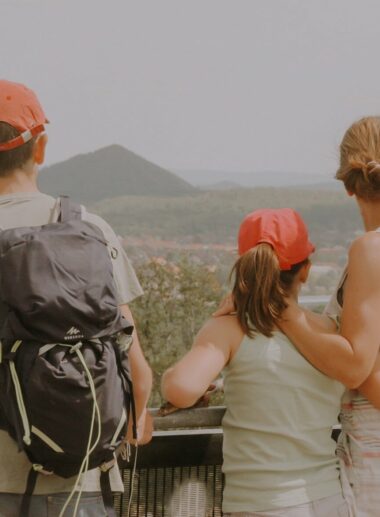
260,289
360,159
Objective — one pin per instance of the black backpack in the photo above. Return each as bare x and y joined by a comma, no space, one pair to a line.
65,387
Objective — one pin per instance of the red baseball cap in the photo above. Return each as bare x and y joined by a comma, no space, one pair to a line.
283,229
20,108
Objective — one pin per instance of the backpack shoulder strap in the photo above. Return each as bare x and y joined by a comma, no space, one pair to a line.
105,487
68,210
27,496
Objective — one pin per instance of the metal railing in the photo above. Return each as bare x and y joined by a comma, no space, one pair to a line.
179,472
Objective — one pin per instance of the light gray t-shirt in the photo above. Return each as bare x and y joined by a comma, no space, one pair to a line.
35,209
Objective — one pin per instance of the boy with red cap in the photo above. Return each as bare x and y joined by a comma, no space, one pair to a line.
22,150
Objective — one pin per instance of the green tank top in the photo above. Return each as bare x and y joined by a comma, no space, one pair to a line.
277,447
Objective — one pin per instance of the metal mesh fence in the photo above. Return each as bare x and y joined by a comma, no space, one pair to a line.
194,491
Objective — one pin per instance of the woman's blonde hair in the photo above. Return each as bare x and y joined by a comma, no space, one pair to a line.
260,289
360,159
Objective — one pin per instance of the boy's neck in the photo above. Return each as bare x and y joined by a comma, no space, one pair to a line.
19,181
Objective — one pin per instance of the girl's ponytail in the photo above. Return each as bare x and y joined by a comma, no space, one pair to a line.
260,289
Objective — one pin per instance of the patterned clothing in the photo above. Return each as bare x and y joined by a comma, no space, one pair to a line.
359,451
359,442
333,506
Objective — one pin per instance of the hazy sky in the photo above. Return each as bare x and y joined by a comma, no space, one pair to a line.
243,85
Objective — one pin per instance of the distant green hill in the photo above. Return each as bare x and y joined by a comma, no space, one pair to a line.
109,172
215,216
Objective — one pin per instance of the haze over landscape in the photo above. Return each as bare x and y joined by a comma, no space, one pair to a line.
172,120
247,86
159,214
215,108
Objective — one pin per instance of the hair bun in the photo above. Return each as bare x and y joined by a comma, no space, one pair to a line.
373,167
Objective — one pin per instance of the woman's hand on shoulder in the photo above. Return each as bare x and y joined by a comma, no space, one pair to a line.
226,306
295,313
321,322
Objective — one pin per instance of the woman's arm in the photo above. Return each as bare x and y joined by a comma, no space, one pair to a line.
350,356
320,322
185,382
371,386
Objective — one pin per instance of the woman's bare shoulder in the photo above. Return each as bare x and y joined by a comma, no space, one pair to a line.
363,263
366,244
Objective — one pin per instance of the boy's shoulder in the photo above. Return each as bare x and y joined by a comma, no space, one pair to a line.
38,208
25,209
100,223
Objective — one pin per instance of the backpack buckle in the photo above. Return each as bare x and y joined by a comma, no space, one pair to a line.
40,469
76,347
107,465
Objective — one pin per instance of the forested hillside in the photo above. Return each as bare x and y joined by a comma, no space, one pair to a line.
215,216
109,172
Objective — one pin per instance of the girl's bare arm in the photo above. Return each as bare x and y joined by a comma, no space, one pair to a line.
185,382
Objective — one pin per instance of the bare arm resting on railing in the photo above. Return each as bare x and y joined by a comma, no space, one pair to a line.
185,382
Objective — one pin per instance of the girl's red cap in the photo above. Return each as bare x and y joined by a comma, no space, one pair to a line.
283,229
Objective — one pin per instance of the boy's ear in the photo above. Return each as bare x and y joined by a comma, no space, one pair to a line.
39,149
304,272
